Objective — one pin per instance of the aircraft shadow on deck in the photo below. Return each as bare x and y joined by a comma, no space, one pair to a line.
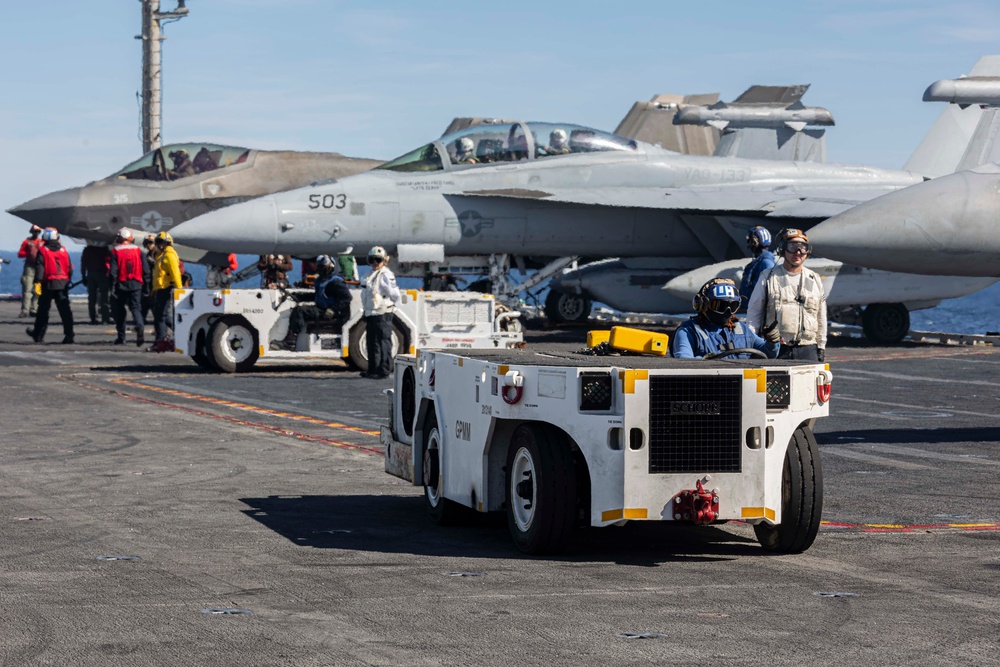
910,436
392,524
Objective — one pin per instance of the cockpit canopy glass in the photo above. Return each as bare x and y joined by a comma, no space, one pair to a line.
508,142
176,161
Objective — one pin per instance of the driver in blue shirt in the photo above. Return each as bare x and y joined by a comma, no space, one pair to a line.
716,328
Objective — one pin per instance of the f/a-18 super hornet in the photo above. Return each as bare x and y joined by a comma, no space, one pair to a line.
946,226
552,189
175,183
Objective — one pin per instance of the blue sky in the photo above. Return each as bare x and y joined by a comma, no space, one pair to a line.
376,79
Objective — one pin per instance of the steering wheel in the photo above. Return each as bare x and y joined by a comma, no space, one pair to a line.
753,352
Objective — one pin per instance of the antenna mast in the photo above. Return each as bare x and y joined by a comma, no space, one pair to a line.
152,38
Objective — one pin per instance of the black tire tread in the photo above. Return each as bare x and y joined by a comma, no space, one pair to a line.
802,512
446,512
555,523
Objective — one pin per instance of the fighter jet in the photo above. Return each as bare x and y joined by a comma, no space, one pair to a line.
552,189
148,196
946,226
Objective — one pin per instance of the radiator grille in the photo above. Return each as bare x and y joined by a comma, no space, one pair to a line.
446,312
695,424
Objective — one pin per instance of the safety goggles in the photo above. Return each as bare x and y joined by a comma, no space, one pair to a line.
374,260
723,306
797,247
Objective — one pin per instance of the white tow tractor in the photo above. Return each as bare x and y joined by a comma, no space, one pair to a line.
558,439
231,329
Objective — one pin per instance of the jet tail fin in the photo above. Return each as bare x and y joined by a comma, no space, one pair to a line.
764,123
964,135
648,122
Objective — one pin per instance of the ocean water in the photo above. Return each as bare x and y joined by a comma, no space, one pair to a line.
973,314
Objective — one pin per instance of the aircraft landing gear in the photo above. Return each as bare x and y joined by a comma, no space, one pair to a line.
885,323
561,307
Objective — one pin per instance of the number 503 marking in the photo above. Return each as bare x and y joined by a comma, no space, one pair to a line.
327,201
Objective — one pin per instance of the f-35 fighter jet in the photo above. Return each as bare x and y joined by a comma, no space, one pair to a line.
175,183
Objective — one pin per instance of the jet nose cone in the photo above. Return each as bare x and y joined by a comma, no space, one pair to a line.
939,227
248,228
56,209
686,285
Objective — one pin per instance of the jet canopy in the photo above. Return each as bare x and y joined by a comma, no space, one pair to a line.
507,142
176,161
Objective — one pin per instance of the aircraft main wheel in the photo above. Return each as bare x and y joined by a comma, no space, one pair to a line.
233,344
801,498
541,489
202,354
885,323
567,308
442,511
357,345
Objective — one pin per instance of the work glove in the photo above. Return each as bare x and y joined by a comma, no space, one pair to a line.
771,333
821,354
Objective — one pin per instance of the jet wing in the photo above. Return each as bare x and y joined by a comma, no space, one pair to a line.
790,202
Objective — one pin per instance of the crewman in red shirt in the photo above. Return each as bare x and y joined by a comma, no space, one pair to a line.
128,272
53,269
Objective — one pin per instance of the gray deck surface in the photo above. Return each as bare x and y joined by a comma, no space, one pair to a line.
265,492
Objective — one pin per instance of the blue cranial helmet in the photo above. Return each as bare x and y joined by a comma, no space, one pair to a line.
717,295
758,239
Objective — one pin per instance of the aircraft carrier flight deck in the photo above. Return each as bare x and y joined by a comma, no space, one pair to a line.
194,517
